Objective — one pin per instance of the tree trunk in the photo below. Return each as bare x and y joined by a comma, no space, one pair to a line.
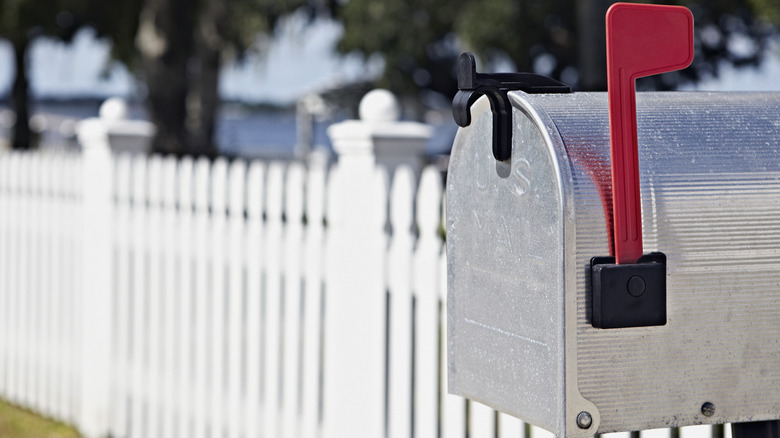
593,44
203,104
203,100
21,97
165,42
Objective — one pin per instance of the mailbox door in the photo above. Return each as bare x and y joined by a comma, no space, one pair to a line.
505,303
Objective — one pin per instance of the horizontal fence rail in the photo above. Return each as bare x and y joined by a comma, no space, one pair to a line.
159,297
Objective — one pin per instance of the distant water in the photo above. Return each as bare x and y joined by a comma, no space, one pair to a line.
239,131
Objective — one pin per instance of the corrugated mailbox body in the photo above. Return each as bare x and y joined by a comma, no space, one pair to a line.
521,233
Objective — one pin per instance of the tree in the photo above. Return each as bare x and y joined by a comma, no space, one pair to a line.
564,39
176,46
415,37
182,46
22,21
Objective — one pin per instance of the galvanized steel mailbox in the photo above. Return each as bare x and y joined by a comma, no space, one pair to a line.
543,322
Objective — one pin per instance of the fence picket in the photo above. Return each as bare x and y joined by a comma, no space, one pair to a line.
22,249
509,427
30,283
482,420
123,300
74,283
14,266
17,377
50,287
139,323
235,294
48,290
57,222
184,332
53,285
538,432
5,290
426,284
31,291
202,181
702,431
170,307
292,290
24,283
400,309
312,313
56,280
57,318
45,289
153,248
23,387
254,290
34,291
217,291
7,269
272,308
39,304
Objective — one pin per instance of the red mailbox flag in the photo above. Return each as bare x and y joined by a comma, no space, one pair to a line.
642,40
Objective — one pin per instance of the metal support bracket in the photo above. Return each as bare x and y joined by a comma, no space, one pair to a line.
472,85
757,429
629,294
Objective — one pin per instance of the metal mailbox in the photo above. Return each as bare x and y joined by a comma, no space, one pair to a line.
526,332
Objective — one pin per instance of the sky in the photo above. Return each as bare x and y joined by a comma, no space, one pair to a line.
302,60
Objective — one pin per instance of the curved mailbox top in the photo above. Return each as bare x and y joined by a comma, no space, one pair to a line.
521,233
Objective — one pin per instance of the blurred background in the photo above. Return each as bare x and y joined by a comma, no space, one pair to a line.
239,77
265,79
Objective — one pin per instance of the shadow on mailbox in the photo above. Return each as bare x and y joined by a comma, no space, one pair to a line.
598,283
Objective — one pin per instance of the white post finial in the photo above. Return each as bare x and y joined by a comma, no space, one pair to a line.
379,106
379,137
114,108
114,130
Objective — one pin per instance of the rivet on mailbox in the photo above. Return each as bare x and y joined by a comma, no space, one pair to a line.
611,251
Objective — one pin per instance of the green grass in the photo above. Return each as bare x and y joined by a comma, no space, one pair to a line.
20,423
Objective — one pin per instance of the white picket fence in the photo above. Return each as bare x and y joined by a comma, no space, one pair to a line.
190,298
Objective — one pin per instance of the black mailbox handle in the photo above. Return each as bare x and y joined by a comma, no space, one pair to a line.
472,85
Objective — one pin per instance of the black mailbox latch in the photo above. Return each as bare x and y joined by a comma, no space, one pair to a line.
629,295
472,85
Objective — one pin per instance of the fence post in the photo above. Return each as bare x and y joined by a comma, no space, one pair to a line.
95,325
355,303
390,142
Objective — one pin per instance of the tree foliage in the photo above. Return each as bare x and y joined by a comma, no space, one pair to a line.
177,47
22,21
564,39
